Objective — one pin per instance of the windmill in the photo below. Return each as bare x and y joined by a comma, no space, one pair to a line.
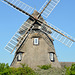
33,42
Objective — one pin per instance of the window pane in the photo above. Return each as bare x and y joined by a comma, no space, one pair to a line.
51,56
19,57
35,40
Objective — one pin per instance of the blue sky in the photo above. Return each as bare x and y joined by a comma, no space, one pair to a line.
63,17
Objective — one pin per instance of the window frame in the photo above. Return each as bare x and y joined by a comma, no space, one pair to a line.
19,56
36,41
51,56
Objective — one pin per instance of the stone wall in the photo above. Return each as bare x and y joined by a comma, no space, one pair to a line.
66,64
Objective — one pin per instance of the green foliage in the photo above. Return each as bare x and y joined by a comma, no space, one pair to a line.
24,70
70,70
67,70
45,67
73,67
3,66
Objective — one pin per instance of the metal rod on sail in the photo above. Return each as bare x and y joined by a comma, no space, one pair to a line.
44,8
23,38
59,32
55,30
19,9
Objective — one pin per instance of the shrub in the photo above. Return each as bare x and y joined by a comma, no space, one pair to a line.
73,67
70,70
45,67
24,70
67,70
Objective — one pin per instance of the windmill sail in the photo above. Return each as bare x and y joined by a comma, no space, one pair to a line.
59,35
15,40
49,8
19,5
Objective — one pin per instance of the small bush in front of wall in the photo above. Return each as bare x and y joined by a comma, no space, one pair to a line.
70,70
67,70
45,67
24,70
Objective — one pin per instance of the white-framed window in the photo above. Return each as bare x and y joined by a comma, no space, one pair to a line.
19,57
52,56
36,41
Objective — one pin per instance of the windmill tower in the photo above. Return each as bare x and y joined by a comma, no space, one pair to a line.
33,42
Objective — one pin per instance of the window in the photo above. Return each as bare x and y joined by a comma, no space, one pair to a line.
36,42
52,56
19,57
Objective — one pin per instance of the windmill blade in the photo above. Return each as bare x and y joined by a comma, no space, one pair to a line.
15,40
59,35
48,7
44,8
19,5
